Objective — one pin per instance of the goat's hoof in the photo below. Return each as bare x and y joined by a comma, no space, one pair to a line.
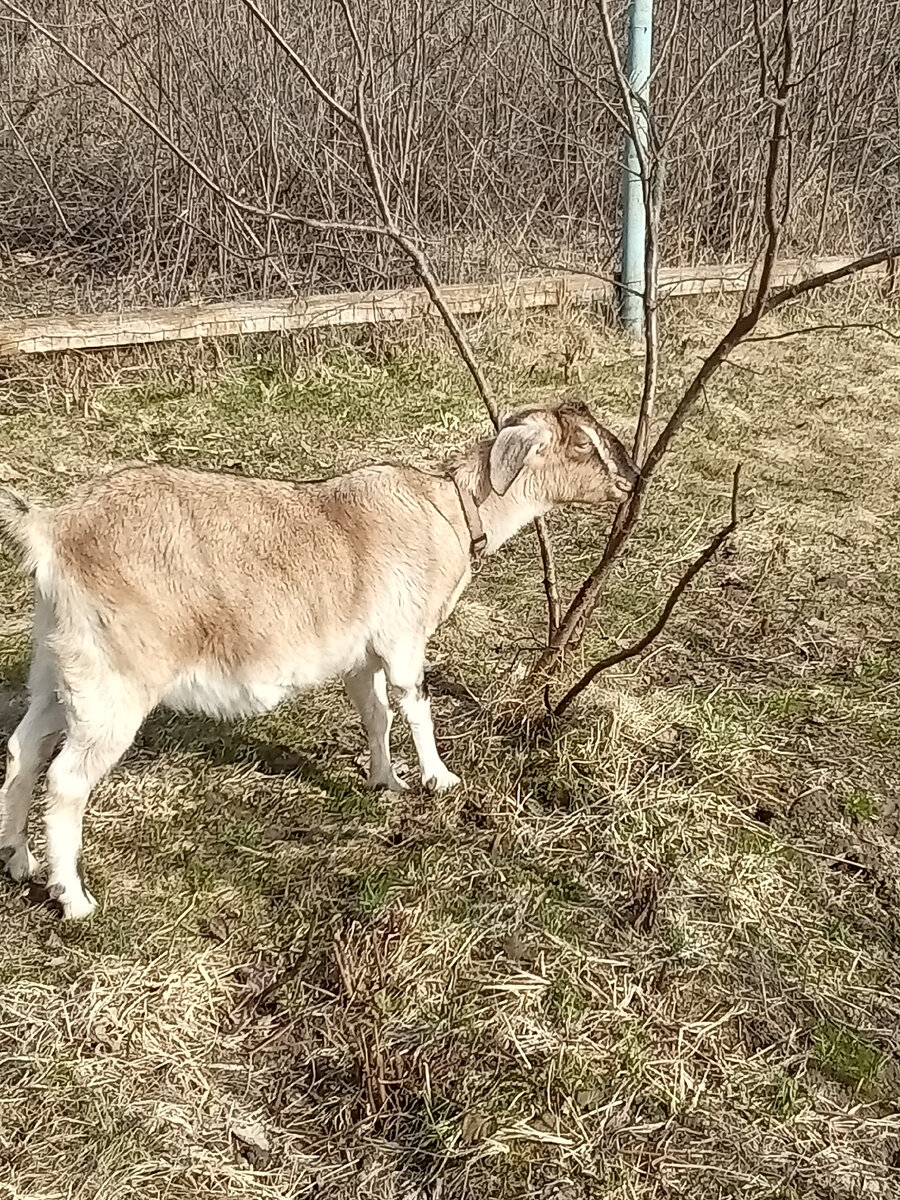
18,861
75,905
390,782
441,781
389,779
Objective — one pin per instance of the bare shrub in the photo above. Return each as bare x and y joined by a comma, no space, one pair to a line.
494,124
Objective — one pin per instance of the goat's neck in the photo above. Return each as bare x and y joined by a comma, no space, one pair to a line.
502,516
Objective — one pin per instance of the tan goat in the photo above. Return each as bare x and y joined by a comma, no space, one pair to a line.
225,595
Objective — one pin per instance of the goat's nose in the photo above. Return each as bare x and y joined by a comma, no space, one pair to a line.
627,483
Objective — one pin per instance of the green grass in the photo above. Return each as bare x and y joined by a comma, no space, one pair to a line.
650,951
846,1058
860,805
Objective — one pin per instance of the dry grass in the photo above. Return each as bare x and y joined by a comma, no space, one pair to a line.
652,952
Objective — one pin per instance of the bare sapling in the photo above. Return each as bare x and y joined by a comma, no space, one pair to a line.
777,55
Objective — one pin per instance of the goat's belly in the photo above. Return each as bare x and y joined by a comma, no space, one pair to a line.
261,684
216,695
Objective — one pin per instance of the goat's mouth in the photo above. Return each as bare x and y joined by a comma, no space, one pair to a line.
623,491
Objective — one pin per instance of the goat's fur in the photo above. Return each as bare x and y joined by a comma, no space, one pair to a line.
225,595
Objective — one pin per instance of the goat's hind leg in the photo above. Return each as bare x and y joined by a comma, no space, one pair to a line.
100,728
30,748
367,689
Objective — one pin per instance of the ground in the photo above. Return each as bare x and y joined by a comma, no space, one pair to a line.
648,952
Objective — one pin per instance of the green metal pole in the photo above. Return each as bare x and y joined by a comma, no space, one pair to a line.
634,213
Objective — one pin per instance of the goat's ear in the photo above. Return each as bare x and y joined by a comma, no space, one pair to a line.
513,446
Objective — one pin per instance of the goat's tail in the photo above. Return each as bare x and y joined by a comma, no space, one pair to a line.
20,521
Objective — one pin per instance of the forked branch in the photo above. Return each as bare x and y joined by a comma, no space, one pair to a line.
674,596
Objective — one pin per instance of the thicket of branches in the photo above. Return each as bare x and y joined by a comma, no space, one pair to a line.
494,122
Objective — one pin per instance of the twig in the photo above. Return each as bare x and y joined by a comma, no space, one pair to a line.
640,646
40,174
795,290
873,326
773,222
551,587
738,333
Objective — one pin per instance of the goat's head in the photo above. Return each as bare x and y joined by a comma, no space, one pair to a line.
563,455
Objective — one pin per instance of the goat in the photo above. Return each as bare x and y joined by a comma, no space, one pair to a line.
225,594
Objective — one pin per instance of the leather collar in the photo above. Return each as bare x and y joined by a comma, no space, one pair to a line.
477,536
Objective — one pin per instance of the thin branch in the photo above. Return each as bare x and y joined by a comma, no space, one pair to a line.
311,78
666,48
776,137
432,287
651,318
551,586
40,174
359,124
683,583
626,94
872,326
739,332
794,290
413,251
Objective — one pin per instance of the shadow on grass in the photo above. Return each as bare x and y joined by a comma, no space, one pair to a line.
222,744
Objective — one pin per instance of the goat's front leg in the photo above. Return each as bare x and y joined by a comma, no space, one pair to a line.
406,671
367,689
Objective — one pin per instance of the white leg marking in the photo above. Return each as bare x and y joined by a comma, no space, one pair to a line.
406,671
367,689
